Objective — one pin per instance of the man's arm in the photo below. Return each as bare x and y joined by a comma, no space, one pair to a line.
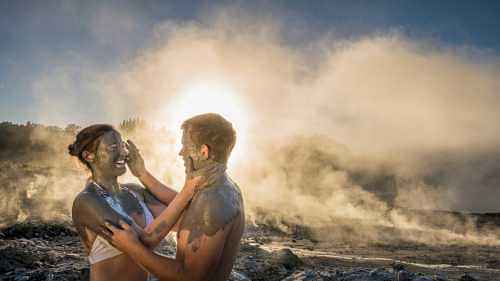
203,255
201,259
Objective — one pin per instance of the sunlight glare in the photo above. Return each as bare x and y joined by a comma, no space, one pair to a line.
200,98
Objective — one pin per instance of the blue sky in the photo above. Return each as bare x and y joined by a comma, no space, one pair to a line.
39,36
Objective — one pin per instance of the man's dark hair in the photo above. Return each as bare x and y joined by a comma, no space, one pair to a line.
214,131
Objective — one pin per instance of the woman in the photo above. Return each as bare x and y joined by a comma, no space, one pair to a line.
101,149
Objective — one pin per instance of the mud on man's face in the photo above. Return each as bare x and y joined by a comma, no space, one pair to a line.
111,155
192,154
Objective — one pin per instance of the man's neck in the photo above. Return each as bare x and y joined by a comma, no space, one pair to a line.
109,183
211,172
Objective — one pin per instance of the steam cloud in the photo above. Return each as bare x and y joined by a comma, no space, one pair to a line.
340,131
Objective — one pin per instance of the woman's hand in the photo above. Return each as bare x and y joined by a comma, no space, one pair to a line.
135,161
151,240
192,185
125,239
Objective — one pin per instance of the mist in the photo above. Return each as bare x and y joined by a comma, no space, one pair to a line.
336,131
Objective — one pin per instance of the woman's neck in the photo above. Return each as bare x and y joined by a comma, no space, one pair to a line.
109,183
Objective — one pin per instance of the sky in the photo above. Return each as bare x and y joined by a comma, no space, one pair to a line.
40,39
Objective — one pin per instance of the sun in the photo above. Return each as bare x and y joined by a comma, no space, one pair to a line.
210,97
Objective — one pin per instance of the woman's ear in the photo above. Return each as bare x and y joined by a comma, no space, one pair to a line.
205,151
89,157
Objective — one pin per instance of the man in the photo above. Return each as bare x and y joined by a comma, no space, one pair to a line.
210,229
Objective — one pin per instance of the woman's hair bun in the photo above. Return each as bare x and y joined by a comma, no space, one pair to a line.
87,136
71,149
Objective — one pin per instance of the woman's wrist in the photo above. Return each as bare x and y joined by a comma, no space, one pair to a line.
186,193
144,174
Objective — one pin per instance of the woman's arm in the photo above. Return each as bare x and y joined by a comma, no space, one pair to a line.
161,226
89,213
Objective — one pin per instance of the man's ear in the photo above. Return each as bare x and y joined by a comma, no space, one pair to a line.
89,157
205,151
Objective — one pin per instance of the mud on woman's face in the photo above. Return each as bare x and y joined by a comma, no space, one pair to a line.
111,154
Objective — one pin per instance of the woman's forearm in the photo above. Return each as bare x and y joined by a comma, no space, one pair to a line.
162,225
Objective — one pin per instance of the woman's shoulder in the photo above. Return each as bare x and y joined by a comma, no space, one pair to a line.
85,198
135,187
141,192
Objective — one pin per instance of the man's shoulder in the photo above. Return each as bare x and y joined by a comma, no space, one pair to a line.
224,192
213,208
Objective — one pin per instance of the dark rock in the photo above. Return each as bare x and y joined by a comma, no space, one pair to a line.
380,274
440,277
307,275
403,275
238,276
423,278
31,230
286,258
355,275
467,277
398,266
85,273
13,258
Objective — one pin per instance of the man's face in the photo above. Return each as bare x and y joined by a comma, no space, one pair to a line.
191,154
111,154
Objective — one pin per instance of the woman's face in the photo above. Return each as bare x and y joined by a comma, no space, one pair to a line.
111,154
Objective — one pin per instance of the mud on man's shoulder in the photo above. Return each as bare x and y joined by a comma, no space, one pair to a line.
216,205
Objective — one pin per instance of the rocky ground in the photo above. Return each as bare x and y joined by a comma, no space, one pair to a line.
52,251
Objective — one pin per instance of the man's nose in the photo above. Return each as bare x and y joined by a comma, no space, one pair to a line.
181,152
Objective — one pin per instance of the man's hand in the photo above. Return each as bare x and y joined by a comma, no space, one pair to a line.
135,161
124,239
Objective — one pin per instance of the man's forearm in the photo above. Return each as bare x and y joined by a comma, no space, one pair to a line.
164,193
164,268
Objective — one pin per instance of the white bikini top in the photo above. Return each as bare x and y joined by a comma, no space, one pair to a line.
101,249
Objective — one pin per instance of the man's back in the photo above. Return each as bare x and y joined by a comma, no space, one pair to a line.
211,229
